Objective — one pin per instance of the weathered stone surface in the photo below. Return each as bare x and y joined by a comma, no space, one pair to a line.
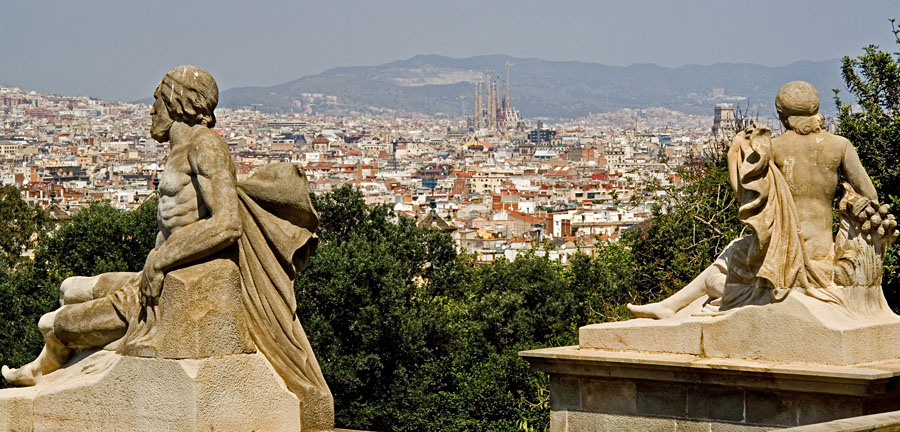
565,392
797,329
721,393
661,399
17,400
675,336
713,402
763,409
802,329
201,314
107,391
884,422
580,421
609,396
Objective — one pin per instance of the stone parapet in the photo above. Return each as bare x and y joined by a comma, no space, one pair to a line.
884,422
596,390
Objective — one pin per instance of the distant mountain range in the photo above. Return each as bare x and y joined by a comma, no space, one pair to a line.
433,84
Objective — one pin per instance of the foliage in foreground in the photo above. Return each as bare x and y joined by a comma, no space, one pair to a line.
873,126
412,336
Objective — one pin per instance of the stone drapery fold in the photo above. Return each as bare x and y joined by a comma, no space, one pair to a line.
279,224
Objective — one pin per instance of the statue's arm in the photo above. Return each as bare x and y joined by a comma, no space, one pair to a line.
214,170
856,175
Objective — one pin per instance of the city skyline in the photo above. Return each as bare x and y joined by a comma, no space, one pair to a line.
116,51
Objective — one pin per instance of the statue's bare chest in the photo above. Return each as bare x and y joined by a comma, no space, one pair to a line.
176,176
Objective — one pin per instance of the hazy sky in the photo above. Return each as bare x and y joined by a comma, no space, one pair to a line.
120,49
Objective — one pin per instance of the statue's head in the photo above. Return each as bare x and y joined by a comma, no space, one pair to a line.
186,94
797,103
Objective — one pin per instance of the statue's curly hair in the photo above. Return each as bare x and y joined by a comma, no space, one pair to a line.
190,95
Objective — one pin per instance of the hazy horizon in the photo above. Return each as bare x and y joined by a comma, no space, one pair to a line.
119,51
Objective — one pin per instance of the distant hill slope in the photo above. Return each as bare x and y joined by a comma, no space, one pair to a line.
432,84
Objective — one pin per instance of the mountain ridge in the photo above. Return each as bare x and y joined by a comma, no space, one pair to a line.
432,84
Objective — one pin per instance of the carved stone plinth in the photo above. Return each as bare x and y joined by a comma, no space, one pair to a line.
798,329
201,314
110,392
796,362
605,390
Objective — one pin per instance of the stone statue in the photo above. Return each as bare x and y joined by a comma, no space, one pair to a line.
219,280
785,187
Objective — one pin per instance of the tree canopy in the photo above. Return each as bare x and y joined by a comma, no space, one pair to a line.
872,123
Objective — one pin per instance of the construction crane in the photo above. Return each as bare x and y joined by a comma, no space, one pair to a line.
462,102
506,101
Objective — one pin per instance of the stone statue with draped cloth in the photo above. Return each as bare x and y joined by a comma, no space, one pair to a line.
219,281
785,187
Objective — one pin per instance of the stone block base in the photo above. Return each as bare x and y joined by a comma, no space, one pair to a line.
562,421
201,314
604,390
797,329
109,392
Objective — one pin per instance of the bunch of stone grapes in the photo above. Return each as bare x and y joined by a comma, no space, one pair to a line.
879,220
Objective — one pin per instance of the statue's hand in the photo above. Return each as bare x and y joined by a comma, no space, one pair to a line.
151,280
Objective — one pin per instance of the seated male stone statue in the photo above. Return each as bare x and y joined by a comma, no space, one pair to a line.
219,279
785,187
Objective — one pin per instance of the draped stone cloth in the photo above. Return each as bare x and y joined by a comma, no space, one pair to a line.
278,238
765,265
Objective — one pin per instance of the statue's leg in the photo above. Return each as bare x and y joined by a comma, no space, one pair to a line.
81,323
710,282
692,291
52,357
79,289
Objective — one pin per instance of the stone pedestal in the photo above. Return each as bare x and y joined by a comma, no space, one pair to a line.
201,314
797,362
799,328
604,390
110,392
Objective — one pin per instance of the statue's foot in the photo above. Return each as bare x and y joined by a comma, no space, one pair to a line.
652,310
22,376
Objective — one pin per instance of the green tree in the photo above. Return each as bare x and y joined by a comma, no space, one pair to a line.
690,225
412,336
98,239
22,303
872,124
20,223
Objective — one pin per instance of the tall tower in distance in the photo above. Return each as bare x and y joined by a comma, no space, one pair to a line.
506,104
723,123
462,103
492,104
477,116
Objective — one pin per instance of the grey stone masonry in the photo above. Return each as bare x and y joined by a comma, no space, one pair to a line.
597,390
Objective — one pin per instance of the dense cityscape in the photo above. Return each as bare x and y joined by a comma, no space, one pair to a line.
501,184
352,216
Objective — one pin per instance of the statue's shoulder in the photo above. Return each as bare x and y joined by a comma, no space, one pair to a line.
207,136
208,147
208,140
837,142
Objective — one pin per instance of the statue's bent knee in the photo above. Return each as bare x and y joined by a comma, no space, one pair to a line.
77,289
88,325
45,324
